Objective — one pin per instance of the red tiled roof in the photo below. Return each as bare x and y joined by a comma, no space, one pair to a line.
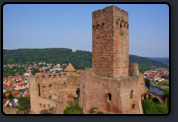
5,78
14,93
69,68
7,94
5,86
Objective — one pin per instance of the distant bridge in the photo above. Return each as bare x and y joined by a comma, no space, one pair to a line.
154,96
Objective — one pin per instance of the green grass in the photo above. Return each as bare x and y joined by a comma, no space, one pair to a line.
163,83
73,110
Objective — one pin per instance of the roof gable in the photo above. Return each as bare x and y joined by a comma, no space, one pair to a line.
69,68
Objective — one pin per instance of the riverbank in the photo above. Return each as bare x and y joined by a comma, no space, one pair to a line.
161,87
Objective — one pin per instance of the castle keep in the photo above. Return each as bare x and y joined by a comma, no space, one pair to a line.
110,51
113,85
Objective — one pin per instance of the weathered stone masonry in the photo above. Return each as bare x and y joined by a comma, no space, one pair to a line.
53,91
110,49
113,85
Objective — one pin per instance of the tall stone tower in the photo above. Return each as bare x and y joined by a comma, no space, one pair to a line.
110,48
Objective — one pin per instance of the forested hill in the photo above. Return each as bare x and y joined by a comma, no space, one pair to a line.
79,59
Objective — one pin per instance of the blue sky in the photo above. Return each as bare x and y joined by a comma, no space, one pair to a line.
70,26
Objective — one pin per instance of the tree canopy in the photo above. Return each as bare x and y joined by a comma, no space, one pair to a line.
79,59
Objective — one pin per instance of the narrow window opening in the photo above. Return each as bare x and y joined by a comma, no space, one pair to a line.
59,75
121,25
109,97
78,92
58,103
50,96
131,94
49,76
38,89
133,106
64,75
54,76
116,23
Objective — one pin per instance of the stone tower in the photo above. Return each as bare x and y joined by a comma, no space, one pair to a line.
110,47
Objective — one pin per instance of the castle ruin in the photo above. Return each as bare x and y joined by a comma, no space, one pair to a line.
113,85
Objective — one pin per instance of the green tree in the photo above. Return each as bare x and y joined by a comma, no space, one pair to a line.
24,103
46,69
10,96
147,82
149,107
35,71
163,76
165,92
7,105
4,96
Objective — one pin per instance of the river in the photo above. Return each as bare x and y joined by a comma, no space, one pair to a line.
155,90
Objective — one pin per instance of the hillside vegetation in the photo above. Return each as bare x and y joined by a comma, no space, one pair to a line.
79,59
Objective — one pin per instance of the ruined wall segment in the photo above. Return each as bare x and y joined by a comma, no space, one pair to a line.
47,90
110,54
94,91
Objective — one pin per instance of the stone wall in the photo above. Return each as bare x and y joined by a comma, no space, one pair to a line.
61,102
95,90
46,89
133,69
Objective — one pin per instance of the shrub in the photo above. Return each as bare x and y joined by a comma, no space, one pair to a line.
99,112
7,105
147,81
165,92
74,110
24,103
149,107
10,96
